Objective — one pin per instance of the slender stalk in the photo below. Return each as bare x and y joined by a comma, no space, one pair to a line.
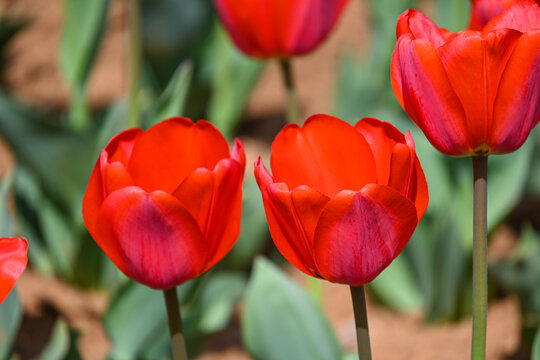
480,284
135,62
175,324
292,103
360,319
315,289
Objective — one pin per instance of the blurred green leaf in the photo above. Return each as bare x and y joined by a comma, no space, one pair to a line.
58,345
115,121
453,15
234,76
7,225
282,322
536,346
10,319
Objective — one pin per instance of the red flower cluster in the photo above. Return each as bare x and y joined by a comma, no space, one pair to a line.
471,92
343,201
164,204
278,28
13,259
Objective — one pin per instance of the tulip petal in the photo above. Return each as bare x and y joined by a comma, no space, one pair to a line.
523,16
169,151
13,259
292,218
428,96
326,154
360,233
151,237
214,199
420,27
517,105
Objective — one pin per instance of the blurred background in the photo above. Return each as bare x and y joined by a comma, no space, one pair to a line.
66,75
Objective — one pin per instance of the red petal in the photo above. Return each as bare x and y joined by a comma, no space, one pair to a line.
420,27
13,259
360,233
292,218
428,96
151,237
170,150
517,105
523,16
327,154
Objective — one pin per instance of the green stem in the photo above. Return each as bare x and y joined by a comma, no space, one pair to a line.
135,62
315,289
175,324
79,117
292,103
360,319
480,277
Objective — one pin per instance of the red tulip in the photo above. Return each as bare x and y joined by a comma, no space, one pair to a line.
343,201
278,28
471,92
164,204
484,10
13,261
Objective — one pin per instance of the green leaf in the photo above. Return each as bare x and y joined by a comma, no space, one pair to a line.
452,15
58,345
172,101
7,226
535,355
115,121
234,75
83,27
10,319
282,322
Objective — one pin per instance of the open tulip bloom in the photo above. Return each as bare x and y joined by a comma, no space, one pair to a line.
473,93
343,201
165,204
13,259
280,29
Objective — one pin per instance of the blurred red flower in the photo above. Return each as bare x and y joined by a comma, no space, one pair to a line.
343,201
278,28
484,10
13,259
471,92
164,204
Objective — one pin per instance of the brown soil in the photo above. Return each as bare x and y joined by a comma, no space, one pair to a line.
32,74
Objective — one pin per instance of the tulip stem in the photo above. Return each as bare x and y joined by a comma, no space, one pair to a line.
480,277
175,324
360,318
292,103
135,62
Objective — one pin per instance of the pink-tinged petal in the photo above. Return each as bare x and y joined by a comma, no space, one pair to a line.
13,260
326,154
156,166
523,16
420,27
360,233
517,105
151,237
428,96
287,233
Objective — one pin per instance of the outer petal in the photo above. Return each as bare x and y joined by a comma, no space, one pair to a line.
420,27
327,154
418,188
428,96
517,105
109,174
214,198
523,16
170,150
13,259
360,233
151,237
292,218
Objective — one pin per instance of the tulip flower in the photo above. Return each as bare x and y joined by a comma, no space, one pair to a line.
13,259
484,10
343,201
278,28
471,93
164,204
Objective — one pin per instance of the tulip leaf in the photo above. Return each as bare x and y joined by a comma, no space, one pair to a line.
234,75
10,319
115,121
7,226
535,354
58,345
282,322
